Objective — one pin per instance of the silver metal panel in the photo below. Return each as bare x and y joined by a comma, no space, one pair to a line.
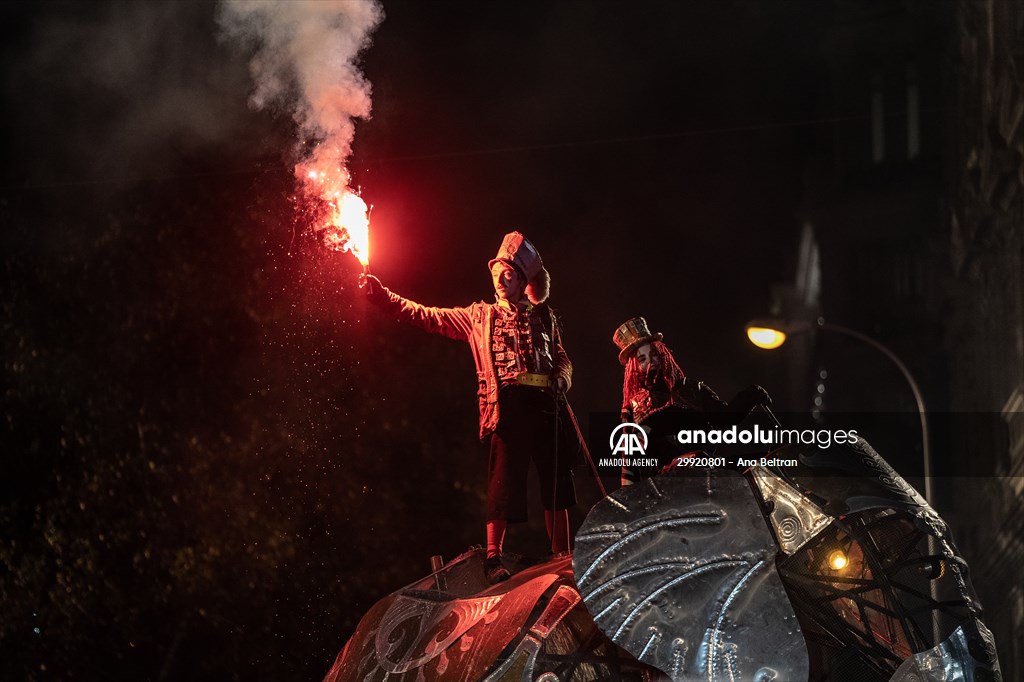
680,572
950,661
794,518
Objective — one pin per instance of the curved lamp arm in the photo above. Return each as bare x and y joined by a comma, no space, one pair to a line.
772,333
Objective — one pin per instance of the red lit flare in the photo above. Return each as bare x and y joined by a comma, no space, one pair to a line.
350,227
346,223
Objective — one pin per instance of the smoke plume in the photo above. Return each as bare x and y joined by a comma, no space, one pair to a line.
119,91
305,54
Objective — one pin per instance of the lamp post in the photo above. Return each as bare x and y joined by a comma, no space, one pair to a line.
771,333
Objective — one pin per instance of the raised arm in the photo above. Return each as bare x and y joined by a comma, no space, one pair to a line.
455,323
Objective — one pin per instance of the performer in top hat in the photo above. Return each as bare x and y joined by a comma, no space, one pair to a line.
522,370
656,393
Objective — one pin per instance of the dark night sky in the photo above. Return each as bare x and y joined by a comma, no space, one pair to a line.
651,153
655,152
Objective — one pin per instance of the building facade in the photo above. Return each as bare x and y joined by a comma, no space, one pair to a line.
985,331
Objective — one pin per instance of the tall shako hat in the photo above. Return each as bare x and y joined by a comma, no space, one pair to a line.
517,251
631,335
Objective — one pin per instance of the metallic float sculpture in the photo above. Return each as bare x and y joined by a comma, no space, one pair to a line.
453,625
835,569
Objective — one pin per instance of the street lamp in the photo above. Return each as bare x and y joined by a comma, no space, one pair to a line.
765,337
770,333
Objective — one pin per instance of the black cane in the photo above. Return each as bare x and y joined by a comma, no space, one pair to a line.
554,477
583,446
771,414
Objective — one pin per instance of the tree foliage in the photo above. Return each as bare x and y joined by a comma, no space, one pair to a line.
216,458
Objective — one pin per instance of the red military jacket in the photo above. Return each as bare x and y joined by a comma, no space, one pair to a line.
473,324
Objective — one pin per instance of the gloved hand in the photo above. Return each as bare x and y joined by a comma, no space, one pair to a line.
368,281
372,287
749,398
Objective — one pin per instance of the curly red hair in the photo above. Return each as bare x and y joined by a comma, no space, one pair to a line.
634,378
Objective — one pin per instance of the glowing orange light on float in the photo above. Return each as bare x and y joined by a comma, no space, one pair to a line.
838,560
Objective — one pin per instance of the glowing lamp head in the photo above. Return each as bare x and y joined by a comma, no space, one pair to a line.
837,560
766,337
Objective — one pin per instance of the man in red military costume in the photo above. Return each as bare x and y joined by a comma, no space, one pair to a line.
522,370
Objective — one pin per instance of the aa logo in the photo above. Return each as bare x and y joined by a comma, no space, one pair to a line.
628,439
